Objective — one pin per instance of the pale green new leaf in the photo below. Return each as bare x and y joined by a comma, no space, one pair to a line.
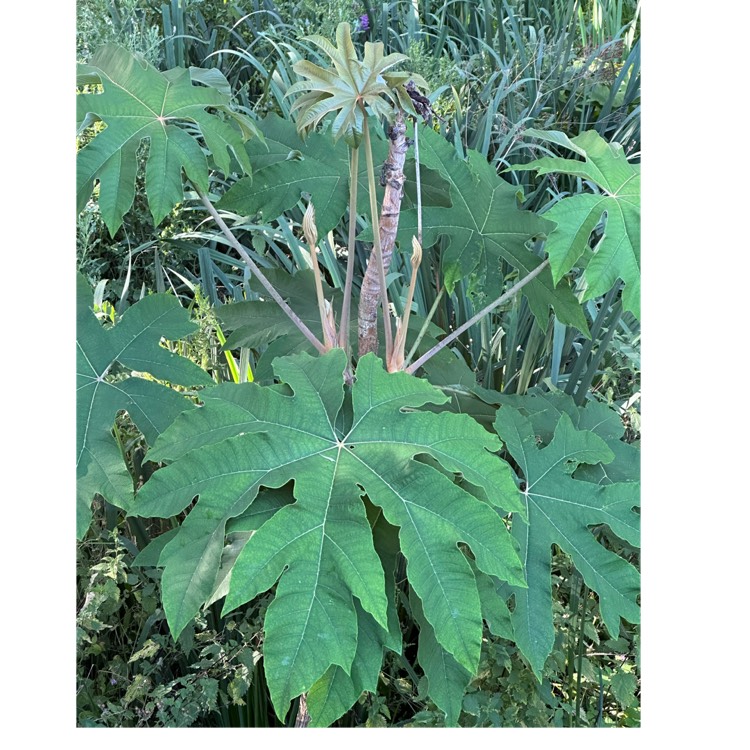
355,85
618,254
560,510
138,102
133,344
320,550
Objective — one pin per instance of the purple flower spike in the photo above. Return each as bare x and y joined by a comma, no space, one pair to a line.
364,22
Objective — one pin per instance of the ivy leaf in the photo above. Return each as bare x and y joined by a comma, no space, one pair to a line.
560,511
138,102
618,254
484,226
134,344
319,550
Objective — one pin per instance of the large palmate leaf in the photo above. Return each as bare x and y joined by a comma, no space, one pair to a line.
560,510
320,550
618,253
134,344
139,102
484,226
288,168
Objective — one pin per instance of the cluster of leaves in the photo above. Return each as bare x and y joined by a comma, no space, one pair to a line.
130,672
465,203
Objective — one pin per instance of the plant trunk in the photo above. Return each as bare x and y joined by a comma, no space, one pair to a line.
393,176
303,717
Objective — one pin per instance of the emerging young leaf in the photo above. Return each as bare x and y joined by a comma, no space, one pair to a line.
134,344
618,254
139,102
351,86
320,549
484,226
560,511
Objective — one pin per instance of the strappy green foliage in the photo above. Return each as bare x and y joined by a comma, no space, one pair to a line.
353,85
102,391
560,510
618,253
320,549
139,102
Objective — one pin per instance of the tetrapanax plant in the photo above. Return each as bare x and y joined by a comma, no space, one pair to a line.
328,486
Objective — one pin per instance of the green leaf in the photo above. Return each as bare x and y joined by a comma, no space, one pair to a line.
623,686
139,102
134,344
319,169
545,409
618,254
289,168
319,550
560,511
484,226
447,679
337,690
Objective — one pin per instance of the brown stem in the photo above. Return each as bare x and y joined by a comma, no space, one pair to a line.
377,256
484,311
303,716
234,242
388,226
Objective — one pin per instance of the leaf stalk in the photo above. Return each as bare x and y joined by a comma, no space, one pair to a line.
234,242
484,311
